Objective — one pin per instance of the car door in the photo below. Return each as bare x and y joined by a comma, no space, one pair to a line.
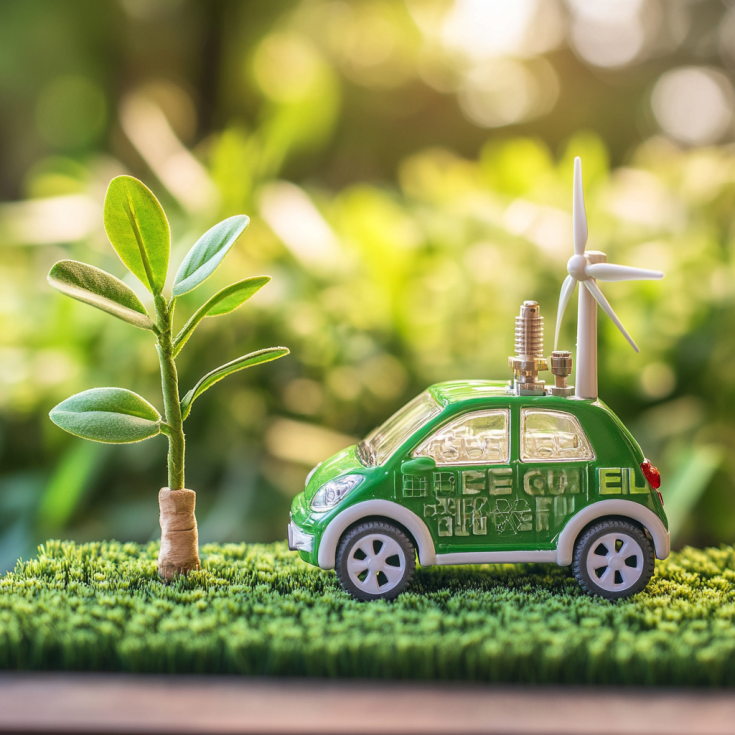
555,454
471,500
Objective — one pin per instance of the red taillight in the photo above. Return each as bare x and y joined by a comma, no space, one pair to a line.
652,474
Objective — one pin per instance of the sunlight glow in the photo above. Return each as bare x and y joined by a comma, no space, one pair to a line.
608,33
482,29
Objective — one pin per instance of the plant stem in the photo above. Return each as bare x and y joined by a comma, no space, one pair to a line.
170,388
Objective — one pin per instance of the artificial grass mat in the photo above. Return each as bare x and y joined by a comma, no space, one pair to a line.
257,609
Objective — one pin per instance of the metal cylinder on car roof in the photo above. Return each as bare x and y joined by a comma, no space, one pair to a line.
529,346
529,340
561,368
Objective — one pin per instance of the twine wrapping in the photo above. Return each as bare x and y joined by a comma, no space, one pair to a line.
179,552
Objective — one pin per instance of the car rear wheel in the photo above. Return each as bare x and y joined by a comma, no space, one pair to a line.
613,559
375,561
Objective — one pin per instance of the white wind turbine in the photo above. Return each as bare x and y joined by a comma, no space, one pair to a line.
585,267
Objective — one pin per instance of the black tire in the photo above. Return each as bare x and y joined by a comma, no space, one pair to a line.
367,542
604,566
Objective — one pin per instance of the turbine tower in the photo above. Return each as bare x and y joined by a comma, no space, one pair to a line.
586,268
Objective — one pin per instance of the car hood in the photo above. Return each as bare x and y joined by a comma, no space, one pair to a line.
343,463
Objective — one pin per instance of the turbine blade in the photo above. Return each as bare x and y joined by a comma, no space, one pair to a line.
594,289
579,215
567,289
612,272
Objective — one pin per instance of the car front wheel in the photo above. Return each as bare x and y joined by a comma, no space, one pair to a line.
613,559
375,561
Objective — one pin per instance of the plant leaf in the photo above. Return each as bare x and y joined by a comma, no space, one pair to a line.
99,289
112,415
208,252
138,230
223,302
254,358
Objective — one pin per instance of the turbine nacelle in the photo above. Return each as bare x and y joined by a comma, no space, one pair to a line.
577,267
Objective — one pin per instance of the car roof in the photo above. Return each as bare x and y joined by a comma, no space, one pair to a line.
458,391
476,393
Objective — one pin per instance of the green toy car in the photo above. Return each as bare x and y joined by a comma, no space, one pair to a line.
475,472
471,473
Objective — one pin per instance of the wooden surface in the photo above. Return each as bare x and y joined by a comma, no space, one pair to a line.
114,703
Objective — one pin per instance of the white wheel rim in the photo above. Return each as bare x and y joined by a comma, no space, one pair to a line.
615,562
376,564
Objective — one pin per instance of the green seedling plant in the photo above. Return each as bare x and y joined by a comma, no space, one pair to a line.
138,230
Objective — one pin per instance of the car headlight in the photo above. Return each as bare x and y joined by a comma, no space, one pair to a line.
333,491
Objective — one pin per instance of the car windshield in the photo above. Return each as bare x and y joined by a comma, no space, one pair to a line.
380,444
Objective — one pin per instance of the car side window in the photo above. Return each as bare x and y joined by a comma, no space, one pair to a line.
480,437
552,435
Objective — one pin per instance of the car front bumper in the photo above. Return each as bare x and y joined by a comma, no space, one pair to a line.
298,540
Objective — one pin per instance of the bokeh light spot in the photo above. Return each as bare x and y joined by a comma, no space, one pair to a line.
371,44
303,396
657,380
482,29
286,67
504,91
608,44
693,105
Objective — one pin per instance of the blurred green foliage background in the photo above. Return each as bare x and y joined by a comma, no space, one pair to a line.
407,168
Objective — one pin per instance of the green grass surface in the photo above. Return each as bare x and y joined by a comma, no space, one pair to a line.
257,609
